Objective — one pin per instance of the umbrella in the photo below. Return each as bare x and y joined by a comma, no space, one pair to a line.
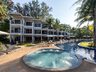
3,33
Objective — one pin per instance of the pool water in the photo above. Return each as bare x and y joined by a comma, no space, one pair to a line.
50,59
73,48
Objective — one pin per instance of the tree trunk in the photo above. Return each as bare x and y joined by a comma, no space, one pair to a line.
94,26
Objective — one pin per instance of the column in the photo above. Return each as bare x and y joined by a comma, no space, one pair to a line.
10,32
95,54
41,32
21,30
53,36
21,40
33,39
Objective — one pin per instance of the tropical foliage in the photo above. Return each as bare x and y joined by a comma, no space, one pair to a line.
3,11
55,23
91,28
4,26
81,32
87,12
5,7
35,9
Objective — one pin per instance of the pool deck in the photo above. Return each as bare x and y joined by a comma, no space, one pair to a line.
12,62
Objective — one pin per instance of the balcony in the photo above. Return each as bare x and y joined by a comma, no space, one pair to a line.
28,31
44,32
44,26
37,32
37,26
16,22
14,32
51,33
29,24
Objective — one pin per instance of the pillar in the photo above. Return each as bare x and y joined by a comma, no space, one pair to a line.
33,39
95,54
41,38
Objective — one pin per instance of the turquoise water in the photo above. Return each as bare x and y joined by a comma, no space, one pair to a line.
52,58
72,47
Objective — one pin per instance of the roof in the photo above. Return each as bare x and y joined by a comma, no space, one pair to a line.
16,13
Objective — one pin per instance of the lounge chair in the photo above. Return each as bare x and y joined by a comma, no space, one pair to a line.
8,48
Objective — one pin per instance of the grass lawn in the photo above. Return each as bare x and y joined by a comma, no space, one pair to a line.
27,44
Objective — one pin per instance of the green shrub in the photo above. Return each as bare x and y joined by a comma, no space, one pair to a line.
29,44
1,46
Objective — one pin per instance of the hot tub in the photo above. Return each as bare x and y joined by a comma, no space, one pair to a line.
52,60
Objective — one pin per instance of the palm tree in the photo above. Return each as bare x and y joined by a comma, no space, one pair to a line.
50,22
18,8
3,11
56,24
45,9
87,8
35,9
26,10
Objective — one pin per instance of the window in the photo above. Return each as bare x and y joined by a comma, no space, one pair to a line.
37,25
44,26
50,27
28,39
59,33
37,31
50,33
12,21
44,32
17,22
15,30
28,30
55,33
28,23
63,33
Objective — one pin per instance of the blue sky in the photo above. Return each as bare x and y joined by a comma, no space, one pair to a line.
62,9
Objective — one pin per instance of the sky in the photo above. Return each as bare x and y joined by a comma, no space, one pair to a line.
61,9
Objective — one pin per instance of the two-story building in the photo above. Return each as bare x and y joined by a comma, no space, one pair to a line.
27,29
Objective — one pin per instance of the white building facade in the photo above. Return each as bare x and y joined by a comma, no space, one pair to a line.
27,29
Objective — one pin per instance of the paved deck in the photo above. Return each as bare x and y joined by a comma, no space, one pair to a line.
12,62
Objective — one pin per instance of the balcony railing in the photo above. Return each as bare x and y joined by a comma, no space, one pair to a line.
28,24
15,31
28,32
15,21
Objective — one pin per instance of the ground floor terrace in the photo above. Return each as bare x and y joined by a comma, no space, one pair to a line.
12,62
35,38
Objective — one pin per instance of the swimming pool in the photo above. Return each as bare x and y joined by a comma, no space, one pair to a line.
72,47
52,59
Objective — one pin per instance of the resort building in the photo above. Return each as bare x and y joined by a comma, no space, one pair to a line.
27,29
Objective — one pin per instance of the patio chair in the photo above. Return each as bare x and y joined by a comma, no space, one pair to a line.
9,48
